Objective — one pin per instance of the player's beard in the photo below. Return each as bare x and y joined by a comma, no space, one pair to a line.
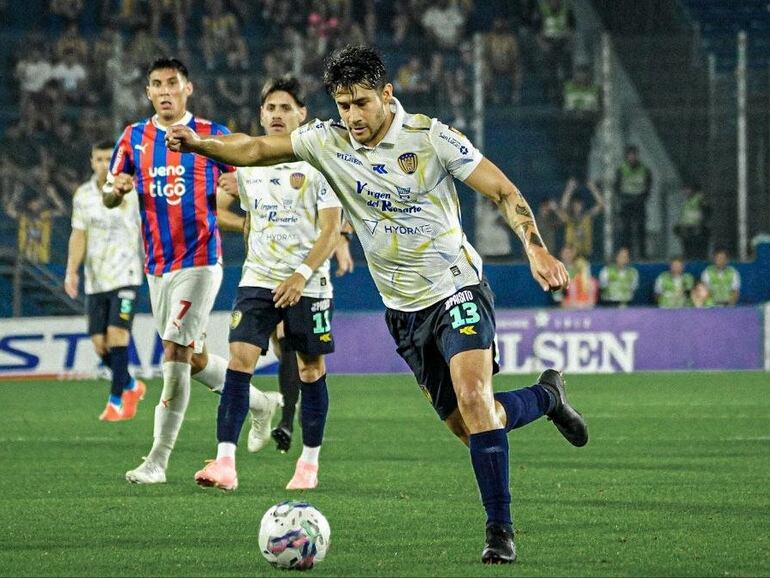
370,132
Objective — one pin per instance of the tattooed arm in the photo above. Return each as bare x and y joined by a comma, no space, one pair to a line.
490,181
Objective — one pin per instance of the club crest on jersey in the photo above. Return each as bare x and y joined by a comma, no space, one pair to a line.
296,180
235,318
408,163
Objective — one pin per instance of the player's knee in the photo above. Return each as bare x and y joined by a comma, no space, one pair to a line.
311,368
311,374
198,362
470,394
117,337
243,358
100,349
175,352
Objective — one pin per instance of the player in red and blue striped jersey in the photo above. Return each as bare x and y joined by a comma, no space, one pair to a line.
183,253
178,193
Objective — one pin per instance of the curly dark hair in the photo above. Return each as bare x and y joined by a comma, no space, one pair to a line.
354,65
168,62
286,83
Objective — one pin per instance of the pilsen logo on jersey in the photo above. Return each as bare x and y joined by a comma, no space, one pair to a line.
408,163
296,180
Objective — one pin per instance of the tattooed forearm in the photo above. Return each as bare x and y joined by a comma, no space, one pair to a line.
534,239
519,217
523,211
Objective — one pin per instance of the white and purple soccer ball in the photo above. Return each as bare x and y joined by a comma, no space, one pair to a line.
294,535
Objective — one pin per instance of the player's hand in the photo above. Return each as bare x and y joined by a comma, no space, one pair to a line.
287,294
123,184
228,182
345,262
547,270
182,139
71,282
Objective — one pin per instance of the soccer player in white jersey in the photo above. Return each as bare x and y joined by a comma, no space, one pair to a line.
108,244
292,227
393,172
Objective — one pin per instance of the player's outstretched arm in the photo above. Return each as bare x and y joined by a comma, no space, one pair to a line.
491,182
237,149
289,292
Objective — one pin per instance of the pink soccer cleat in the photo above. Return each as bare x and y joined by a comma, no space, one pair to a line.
305,477
218,474
132,398
112,413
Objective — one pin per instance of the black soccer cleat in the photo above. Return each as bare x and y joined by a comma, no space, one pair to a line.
566,419
282,437
499,548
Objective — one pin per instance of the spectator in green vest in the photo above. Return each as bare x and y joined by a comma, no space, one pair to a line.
722,280
693,225
673,287
633,184
554,21
618,281
581,97
581,103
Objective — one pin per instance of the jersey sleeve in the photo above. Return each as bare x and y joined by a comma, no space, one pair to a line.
453,149
122,156
325,196
309,139
78,214
122,160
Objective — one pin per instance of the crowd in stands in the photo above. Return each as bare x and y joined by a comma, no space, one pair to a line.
79,80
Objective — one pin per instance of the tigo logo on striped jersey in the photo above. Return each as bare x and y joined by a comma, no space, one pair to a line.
175,187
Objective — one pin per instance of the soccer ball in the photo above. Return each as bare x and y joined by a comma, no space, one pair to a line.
294,535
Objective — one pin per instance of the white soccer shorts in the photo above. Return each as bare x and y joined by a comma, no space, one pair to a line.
181,303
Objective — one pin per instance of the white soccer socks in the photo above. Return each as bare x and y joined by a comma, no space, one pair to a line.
169,413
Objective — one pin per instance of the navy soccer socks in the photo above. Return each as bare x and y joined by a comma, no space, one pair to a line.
118,357
313,409
489,456
525,405
233,406
288,383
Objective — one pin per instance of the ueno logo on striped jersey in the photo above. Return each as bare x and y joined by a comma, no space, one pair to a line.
175,186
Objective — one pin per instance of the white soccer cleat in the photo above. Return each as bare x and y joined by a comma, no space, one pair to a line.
262,419
148,473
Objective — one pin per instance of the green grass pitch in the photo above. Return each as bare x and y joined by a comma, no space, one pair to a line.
674,482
